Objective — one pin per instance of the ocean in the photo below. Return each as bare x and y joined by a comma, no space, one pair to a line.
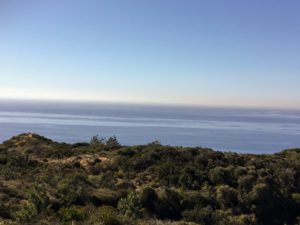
226,129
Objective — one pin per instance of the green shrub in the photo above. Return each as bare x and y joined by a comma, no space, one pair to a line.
107,215
226,196
198,215
169,205
130,206
72,213
148,198
26,212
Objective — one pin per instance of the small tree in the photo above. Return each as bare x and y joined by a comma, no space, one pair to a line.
112,143
97,142
155,143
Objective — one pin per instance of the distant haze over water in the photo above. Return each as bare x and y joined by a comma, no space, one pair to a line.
241,130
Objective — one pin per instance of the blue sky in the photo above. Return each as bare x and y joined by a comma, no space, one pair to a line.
222,52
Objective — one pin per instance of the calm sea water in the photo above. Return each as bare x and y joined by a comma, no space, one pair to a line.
241,130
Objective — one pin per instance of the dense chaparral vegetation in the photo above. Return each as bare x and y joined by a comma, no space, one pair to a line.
102,182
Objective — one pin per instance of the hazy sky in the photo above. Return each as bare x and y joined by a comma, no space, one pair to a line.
214,52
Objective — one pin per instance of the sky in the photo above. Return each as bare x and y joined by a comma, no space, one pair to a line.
184,52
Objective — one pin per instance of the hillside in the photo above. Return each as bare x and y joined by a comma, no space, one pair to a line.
102,182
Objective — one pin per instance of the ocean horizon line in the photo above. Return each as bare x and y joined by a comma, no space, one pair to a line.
143,104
